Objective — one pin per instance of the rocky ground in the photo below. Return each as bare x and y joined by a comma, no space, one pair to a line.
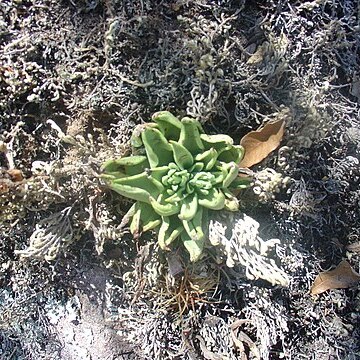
76,77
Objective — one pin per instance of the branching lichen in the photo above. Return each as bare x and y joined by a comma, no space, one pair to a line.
50,236
238,241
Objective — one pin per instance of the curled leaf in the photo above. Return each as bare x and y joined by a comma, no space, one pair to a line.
190,135
232,174
260,143
164,209
208,158
219,142
235,154
135,140
214,200
158,150
169,124
343,276
182,155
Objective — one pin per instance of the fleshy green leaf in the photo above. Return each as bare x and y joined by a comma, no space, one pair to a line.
156,183
190,135
183,174
148,217
197,167
130,213
235,154
214,200
135,187
176,196
240,183
112,176
231,202
130,165
219,142
163,208
130,192
110,166
208,158
189,207
182,156
169,230
135,140
135,222
168,124
158,150
194,247
193,226
157,172
233,171
219,176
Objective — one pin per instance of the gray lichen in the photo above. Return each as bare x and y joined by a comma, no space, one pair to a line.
239,244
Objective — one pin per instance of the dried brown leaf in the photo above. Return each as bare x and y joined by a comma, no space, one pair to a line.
343,276
15,175
260,143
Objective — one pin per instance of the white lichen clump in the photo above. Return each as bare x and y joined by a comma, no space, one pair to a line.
50,236
239,243
267,183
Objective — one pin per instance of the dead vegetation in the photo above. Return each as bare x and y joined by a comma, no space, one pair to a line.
75,78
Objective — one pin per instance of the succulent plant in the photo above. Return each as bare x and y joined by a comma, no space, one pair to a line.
177,174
